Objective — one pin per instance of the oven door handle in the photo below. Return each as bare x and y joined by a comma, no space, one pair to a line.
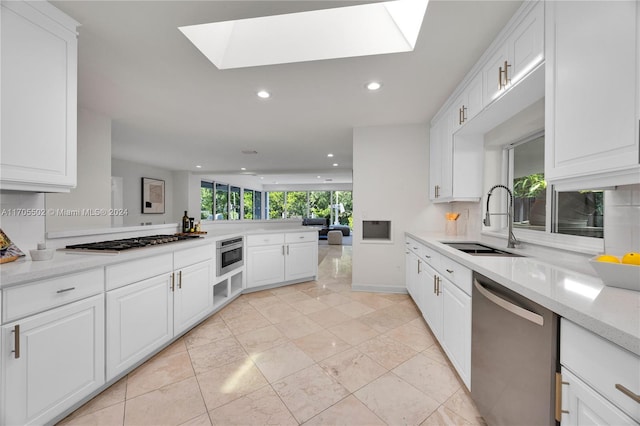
514,309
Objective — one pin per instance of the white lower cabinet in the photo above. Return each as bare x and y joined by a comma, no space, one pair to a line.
582,405
139,321
145,315
456,328
51,360
278,258
193,295
600,380
440,288
265,265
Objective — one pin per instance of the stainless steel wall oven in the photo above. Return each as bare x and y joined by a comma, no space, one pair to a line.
229,255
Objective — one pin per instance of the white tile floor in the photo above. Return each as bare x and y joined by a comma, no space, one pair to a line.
315,353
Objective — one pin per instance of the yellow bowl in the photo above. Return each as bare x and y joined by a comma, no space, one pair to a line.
617,274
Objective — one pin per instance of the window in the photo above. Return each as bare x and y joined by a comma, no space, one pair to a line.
248,203
234,203
222,202
206,200
275,204
297,204
320,205
257,205
577,213
528,184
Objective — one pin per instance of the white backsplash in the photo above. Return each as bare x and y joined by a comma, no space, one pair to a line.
22,219
622,220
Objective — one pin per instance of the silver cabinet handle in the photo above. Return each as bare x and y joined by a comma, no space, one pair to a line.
628,392
173,281
287,249
419,262
434,284
514,309
283,249
427,256
180,279
449,271
64,290
16,341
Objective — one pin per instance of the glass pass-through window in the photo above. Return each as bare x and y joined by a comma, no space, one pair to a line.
579,213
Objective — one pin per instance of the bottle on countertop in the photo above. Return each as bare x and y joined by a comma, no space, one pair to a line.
191,224
185,222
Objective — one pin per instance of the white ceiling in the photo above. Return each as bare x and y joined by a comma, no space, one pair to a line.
172,108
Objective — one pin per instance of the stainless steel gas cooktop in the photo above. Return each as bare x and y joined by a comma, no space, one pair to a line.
116,246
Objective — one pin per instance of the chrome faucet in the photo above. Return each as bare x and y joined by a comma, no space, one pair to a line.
512,242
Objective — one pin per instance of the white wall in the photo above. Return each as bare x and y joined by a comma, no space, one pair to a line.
24,230
390,182
132,174
94,177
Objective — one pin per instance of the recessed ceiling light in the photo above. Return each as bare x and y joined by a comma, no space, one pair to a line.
373,86
243,168
318,177
335,164
198,166
264,94
261,177
329,155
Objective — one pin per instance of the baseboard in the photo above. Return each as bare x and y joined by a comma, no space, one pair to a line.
379,288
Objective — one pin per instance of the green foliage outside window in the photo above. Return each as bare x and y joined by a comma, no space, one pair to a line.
529,186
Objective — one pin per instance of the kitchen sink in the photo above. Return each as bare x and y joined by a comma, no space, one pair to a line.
477,249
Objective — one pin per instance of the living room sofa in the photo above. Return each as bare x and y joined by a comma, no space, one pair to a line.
322,232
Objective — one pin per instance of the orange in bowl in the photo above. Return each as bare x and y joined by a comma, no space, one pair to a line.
607,258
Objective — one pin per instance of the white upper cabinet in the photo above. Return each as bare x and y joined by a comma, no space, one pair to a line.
469,103
39,97
591,105
518,55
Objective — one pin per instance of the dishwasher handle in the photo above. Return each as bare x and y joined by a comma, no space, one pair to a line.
514,309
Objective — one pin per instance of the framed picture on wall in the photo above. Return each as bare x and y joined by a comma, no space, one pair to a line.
152,196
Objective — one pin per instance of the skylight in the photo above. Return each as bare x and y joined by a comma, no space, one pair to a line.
370,29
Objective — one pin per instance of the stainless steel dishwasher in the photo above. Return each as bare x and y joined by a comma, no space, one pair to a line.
514,350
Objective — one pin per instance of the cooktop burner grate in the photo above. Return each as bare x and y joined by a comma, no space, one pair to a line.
128,243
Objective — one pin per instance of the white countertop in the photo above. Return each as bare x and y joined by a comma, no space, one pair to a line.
610,312
25,270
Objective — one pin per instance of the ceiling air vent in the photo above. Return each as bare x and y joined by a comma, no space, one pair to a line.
328,180
249,151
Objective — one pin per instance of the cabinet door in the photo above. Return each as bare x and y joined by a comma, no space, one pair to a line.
139,320
431,300
491,86
584,406
38,91
526,44
301,261
265,265
411,274
591,88
473,98
60,361
456,328
193,295
435,155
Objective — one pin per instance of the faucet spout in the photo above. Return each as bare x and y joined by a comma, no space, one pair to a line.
512,241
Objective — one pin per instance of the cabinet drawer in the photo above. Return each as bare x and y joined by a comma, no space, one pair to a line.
39,296
456,273
429,256
300,237
413,245
602,365
138,270
264,240
193,255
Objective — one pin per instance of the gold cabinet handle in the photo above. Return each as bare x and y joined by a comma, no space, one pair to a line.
507,80
628,392
464,114
434,284
559,410
438,281
64,290
16,341
173,281
180,279
500,78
